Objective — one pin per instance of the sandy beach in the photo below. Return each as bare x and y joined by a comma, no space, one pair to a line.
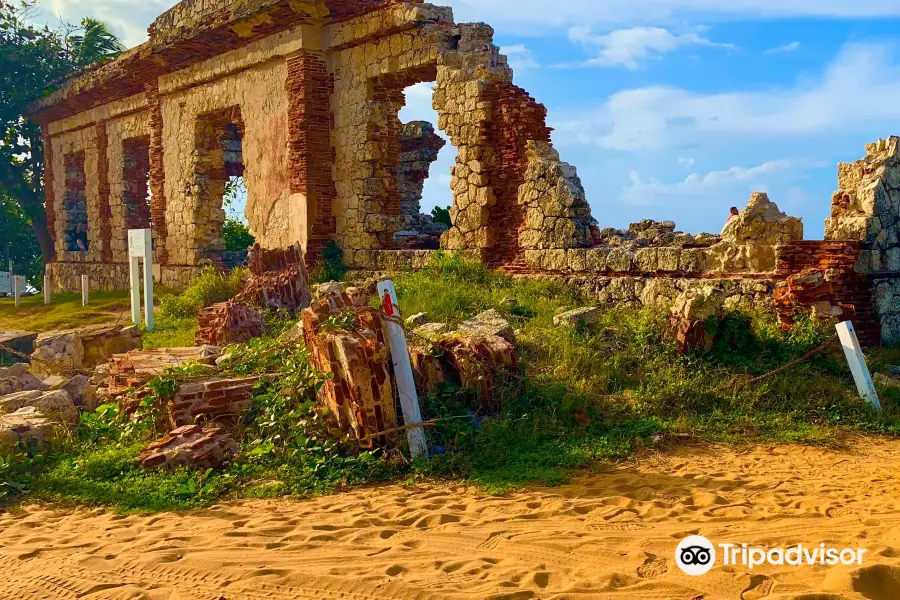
610,534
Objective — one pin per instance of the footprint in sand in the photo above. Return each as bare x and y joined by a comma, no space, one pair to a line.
760,587
653,566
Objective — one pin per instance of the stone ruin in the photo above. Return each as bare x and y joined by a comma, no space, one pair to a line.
301,98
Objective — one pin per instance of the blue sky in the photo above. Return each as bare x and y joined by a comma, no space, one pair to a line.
678,109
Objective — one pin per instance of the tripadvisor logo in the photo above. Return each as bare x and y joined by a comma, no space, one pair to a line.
696,555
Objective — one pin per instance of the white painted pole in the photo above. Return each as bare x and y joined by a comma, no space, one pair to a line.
406,384
84,290
17,289
134,273
857,362
46,288
148,293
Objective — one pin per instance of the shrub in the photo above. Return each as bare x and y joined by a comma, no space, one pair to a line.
209,288
330,265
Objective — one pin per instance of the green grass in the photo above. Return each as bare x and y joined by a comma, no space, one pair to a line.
65,311
581,396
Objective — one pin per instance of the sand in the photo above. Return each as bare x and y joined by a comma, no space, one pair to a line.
610,534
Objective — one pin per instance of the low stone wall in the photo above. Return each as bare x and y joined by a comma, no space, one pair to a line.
105,277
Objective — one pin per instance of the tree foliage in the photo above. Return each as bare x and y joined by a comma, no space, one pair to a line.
32,60
441,215
20,243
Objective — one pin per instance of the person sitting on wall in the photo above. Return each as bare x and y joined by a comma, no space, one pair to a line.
81,238
734,213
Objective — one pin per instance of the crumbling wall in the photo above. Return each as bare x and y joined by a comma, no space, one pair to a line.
866,209
557,214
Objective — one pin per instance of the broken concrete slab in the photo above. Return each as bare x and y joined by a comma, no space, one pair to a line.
55,405
580,316
81,350
489,323
26,426
20,345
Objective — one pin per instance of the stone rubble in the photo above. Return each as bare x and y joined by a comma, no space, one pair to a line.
77,351
25,427
690,318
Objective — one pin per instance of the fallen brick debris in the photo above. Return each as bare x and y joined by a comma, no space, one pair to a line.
278,281
361,394
136,368
211,399
228,323
190,446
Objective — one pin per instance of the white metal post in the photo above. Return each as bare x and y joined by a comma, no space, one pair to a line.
46,288
140,247
135,274
84,290
17,289
857,362
406,384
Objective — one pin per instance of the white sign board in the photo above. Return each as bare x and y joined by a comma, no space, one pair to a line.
140,248
857,362
406,383
139,240
5,283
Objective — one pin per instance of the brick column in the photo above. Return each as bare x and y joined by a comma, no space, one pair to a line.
103,193
157,176
49,197
311,153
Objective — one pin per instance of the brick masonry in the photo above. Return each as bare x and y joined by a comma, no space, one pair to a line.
211,400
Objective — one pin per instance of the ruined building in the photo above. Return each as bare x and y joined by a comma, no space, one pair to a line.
301,99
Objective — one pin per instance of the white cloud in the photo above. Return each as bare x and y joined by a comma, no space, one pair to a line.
128,18
858,89
629,48
728,187
686,162
786,48
520,57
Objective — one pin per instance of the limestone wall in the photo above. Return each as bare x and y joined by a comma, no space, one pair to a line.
866,209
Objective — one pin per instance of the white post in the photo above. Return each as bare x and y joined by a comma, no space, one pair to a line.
140,247
17,289
46,288
857,362
406,384
84,290
135,274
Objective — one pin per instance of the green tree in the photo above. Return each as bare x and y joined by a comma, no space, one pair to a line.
237,235
19,242
441,215
32,60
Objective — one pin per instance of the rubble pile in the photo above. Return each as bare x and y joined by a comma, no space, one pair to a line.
278,281
190,446
471,357
653,234
228,323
